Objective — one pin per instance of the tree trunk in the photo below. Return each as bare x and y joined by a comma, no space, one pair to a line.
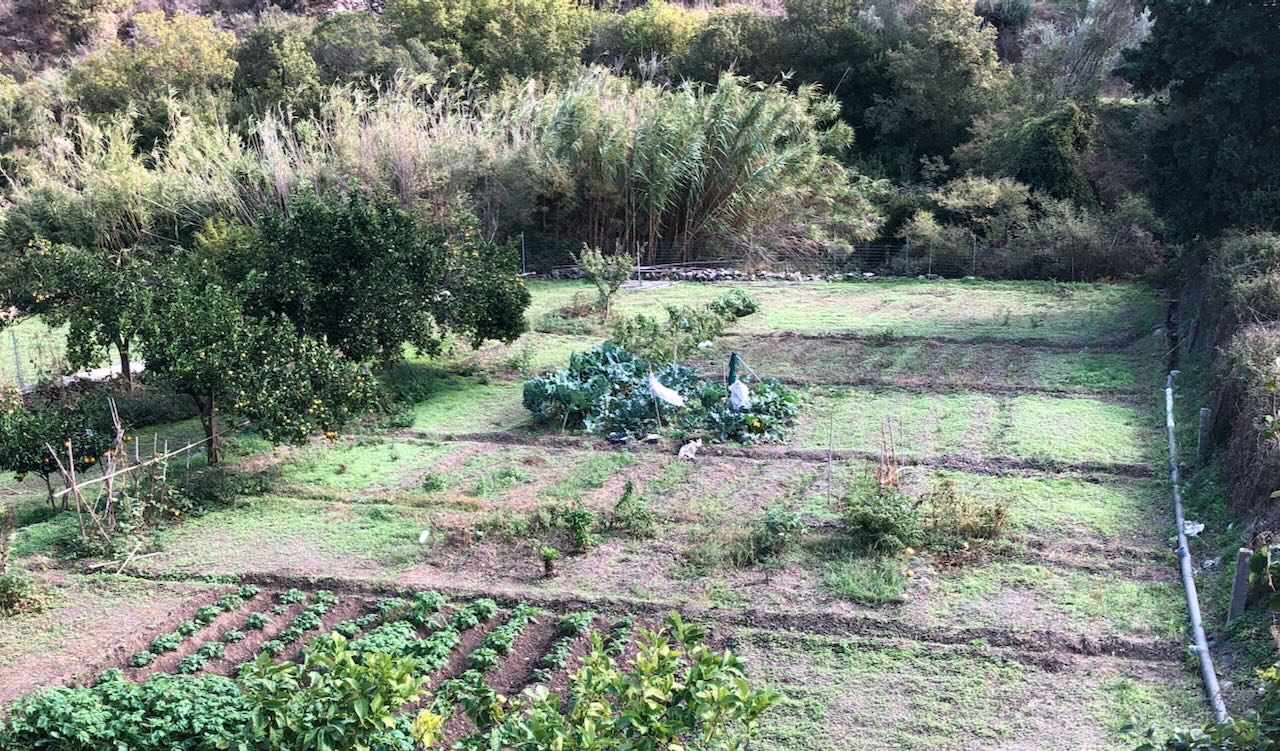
126,368
208,416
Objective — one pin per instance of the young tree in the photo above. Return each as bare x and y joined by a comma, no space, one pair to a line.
201,343
608,273
274,67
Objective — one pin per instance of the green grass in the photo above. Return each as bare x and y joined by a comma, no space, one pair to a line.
273,533
1127,706
868,581
997,594
361,465
923,424
968,365
591,472
1064,507
467,405
495,483
953,309
1080,429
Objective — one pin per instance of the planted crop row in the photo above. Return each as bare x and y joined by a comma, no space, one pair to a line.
310,619
400,637
469,691
570,628
202,617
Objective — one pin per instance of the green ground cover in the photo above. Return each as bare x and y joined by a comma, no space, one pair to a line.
846,694
956,309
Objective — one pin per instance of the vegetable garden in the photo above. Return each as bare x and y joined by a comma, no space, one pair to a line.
946,531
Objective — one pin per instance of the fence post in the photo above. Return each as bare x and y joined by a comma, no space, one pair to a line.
1204,438
17,362
1239,585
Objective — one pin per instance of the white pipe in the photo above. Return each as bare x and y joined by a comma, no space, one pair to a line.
1184,562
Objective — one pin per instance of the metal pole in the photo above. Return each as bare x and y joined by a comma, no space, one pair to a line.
17,362
1184,563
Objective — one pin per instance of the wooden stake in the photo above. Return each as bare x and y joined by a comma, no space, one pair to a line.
1239,585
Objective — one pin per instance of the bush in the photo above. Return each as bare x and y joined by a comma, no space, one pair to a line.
880,519
1256,730
685,329
580,524
773,536
20,593
952,520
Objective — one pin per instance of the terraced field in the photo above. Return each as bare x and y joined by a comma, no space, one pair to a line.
1039,398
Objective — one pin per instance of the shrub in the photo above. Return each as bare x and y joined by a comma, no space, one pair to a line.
952,520
20,593
632,514
773,536
580,523
880,519
685,329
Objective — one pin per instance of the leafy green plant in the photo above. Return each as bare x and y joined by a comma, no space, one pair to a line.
680,693
205,615
212,650
248,592
233,636
606,390
20,592
434,482
580,524
1256,730
773,536
256,621
192,663
549,556
165,643
187,628
880,518
292,596
357,694
142,659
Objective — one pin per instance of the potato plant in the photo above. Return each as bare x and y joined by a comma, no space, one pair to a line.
570,627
